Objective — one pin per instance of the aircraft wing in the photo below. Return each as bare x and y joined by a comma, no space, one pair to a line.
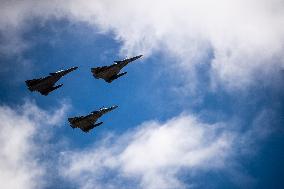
109,79
46,91
89,127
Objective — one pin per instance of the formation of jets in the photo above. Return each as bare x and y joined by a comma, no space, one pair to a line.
45,85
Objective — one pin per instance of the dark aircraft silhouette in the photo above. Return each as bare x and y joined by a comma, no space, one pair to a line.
110,73
86,123
46,85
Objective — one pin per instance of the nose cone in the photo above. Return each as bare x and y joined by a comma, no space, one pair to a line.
106,110
70,70
73,68
113,107
136,57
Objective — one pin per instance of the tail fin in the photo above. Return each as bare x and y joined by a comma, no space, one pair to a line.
95,71
72,121
31,82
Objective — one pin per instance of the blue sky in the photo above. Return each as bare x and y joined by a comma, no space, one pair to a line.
203,108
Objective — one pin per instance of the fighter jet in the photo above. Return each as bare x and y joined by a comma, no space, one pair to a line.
46,85
88,122
110,73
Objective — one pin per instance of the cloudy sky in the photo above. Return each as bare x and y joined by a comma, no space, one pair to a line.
203,108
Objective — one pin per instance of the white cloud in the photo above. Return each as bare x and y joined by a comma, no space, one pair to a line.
246,37
151,156
21,130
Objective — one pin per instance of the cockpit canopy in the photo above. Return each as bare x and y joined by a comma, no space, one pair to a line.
103,108
54,73
94,112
